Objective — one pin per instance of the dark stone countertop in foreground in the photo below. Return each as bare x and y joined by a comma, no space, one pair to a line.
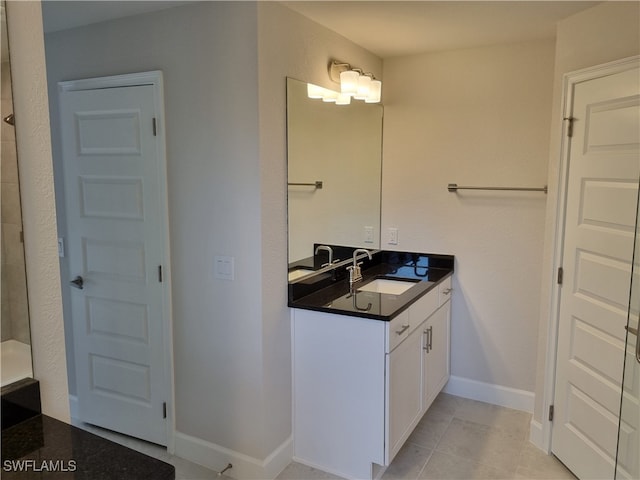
47,449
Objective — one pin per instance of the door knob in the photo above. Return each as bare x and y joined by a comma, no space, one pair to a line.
77,282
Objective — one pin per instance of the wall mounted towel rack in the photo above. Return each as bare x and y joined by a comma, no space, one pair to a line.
454,187
316,184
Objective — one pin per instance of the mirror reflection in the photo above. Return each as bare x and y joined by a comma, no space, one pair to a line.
16,350
334,173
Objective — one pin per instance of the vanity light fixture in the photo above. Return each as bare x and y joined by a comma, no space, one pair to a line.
354,83
327,95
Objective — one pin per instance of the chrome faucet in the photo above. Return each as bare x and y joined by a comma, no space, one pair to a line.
355,274
328,249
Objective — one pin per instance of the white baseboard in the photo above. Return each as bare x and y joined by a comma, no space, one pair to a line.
490,393
536,435
73,406
216,457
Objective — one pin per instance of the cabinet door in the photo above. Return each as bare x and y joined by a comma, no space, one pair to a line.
404,391
435,351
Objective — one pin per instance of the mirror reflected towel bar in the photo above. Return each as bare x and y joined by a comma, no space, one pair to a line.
453,187
316,184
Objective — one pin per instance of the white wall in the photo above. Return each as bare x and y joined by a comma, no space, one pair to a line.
39,215
474,117
604,33
214,197
289,45
224,65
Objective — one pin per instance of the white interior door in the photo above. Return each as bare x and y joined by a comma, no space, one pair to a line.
628,455
114,185
602,189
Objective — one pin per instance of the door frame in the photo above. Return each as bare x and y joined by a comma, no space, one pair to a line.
154,79
570,80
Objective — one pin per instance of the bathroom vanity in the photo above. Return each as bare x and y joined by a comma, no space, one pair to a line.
368,359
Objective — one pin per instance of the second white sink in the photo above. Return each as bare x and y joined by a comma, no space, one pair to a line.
389,287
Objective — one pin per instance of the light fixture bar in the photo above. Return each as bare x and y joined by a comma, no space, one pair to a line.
355,83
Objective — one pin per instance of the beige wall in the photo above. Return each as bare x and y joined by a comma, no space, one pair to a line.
474,117
38,205
604,33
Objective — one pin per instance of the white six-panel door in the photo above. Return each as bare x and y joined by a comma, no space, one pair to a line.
602,188
113,177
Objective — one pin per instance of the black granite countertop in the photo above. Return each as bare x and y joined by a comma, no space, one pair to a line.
330,291
44,448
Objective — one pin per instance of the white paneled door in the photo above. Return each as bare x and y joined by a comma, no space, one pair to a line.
602,189
114,177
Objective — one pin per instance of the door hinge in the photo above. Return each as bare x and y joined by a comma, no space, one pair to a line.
551,413
155,127
560,275
570,126
164,409
160,273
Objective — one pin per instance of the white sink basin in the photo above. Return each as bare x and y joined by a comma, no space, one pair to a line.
299,272
389,287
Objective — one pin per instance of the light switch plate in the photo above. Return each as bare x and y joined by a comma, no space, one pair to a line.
223,267
393,236
368,234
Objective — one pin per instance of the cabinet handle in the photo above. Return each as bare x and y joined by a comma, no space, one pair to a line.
402,330
447,291
429,333
430,337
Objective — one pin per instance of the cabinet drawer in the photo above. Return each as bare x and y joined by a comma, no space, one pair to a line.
421,309
444,291
397,330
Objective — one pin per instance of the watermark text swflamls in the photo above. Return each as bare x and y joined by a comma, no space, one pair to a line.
39,466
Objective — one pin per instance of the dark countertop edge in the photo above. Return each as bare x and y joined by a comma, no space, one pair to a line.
373,270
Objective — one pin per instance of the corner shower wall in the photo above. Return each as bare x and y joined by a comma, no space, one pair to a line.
15,313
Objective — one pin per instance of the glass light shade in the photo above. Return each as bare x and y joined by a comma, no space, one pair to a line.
363,87
375,91
314,91
329,95
343,99
349,82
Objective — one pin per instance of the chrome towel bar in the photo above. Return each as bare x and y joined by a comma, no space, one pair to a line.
453,187
316,184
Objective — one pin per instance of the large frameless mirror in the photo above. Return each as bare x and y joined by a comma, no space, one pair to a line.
334,173
15,331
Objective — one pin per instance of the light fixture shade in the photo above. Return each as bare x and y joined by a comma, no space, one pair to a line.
375,91
349,82
363,87
329,95
343,99
314,91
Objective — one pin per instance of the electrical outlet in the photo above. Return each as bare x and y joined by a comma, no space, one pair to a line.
368,234
393,236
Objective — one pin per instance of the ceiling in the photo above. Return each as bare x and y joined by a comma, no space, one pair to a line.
395,28
386,28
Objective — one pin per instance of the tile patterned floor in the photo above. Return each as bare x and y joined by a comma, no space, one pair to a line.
461,439
457,439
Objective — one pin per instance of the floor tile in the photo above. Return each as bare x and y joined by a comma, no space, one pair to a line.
534,464
430,429
514,422
408,463
481,443
298,471
450,467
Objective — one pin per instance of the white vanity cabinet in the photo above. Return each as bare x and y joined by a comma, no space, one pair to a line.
361,385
